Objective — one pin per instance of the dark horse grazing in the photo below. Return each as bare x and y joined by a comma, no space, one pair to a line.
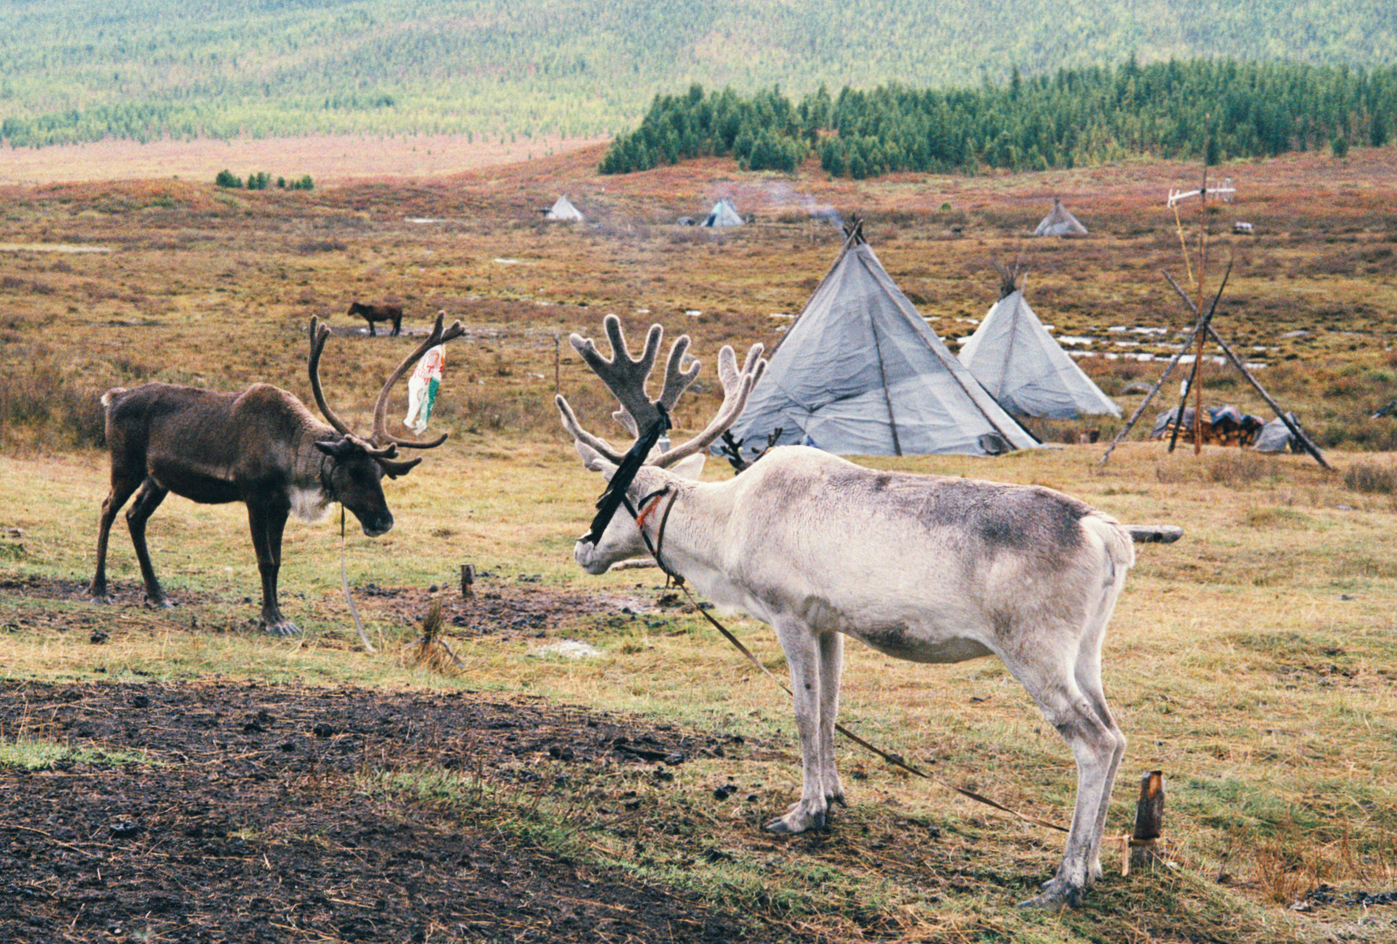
372,313
261,447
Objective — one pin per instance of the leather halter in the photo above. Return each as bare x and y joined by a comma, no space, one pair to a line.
648,504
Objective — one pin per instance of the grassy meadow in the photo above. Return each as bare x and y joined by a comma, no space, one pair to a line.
1254,662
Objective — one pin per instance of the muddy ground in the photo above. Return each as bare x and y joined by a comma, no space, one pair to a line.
247,812
245,821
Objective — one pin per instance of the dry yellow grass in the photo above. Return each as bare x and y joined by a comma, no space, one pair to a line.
1252,662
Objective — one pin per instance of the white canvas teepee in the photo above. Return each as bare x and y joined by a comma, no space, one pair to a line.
1018,361
723,214
1060,222
861,373
564,211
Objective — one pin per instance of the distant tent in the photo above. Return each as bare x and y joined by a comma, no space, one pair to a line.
859,372
563,210
1017,360
723,214
1060,222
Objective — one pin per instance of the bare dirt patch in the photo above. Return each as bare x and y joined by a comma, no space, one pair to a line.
248,821
243,811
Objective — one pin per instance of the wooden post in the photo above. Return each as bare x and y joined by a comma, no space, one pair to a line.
1149,819
467,580
557,362
1195,376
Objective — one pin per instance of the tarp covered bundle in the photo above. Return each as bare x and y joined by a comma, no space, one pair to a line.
1060,222
1221,426
723,214
564,211
1276,436
1012,354
860,373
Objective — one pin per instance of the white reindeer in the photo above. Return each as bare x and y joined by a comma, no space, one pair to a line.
920,567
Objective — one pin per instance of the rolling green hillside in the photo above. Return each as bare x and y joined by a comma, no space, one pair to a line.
75,71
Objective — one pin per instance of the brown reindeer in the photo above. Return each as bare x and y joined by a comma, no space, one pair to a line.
372,313
261,447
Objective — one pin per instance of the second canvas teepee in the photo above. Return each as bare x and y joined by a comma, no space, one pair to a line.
563,211
723,214
859,372
1029,373
1060,222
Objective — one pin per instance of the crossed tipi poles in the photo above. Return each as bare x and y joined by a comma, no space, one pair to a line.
1203,330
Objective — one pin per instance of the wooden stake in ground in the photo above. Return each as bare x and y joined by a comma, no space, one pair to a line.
1149,819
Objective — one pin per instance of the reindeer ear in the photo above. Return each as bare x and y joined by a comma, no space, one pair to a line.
394,468
595,461
334,448
690,467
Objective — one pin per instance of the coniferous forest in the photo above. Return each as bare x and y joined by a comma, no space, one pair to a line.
956,85
1202,108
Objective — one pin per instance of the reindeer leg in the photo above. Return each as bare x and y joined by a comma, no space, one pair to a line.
1087,672
801,646
268,521
147,500
831,667
1097,748
122,489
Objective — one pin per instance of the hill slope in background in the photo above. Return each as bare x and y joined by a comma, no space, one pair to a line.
71,71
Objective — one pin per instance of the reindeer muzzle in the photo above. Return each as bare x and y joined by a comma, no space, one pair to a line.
377,525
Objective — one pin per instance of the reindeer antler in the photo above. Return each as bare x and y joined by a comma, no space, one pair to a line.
625,377
318,335
381,434
385,445
737,387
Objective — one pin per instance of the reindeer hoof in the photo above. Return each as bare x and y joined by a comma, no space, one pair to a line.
1057,893
797,821
159,603
280,628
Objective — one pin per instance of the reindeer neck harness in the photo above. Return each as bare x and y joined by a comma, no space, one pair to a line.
648,504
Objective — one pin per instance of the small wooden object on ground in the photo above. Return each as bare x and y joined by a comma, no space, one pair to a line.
1139,848
467,580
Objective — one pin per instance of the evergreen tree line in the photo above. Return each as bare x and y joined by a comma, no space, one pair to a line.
261,181
1212,109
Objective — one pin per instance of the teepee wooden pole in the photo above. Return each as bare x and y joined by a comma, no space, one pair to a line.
1198,329
1134,417
1227,352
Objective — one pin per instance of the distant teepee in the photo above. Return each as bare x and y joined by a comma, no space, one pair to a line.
1060,222
1012,354
723,214
564,211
